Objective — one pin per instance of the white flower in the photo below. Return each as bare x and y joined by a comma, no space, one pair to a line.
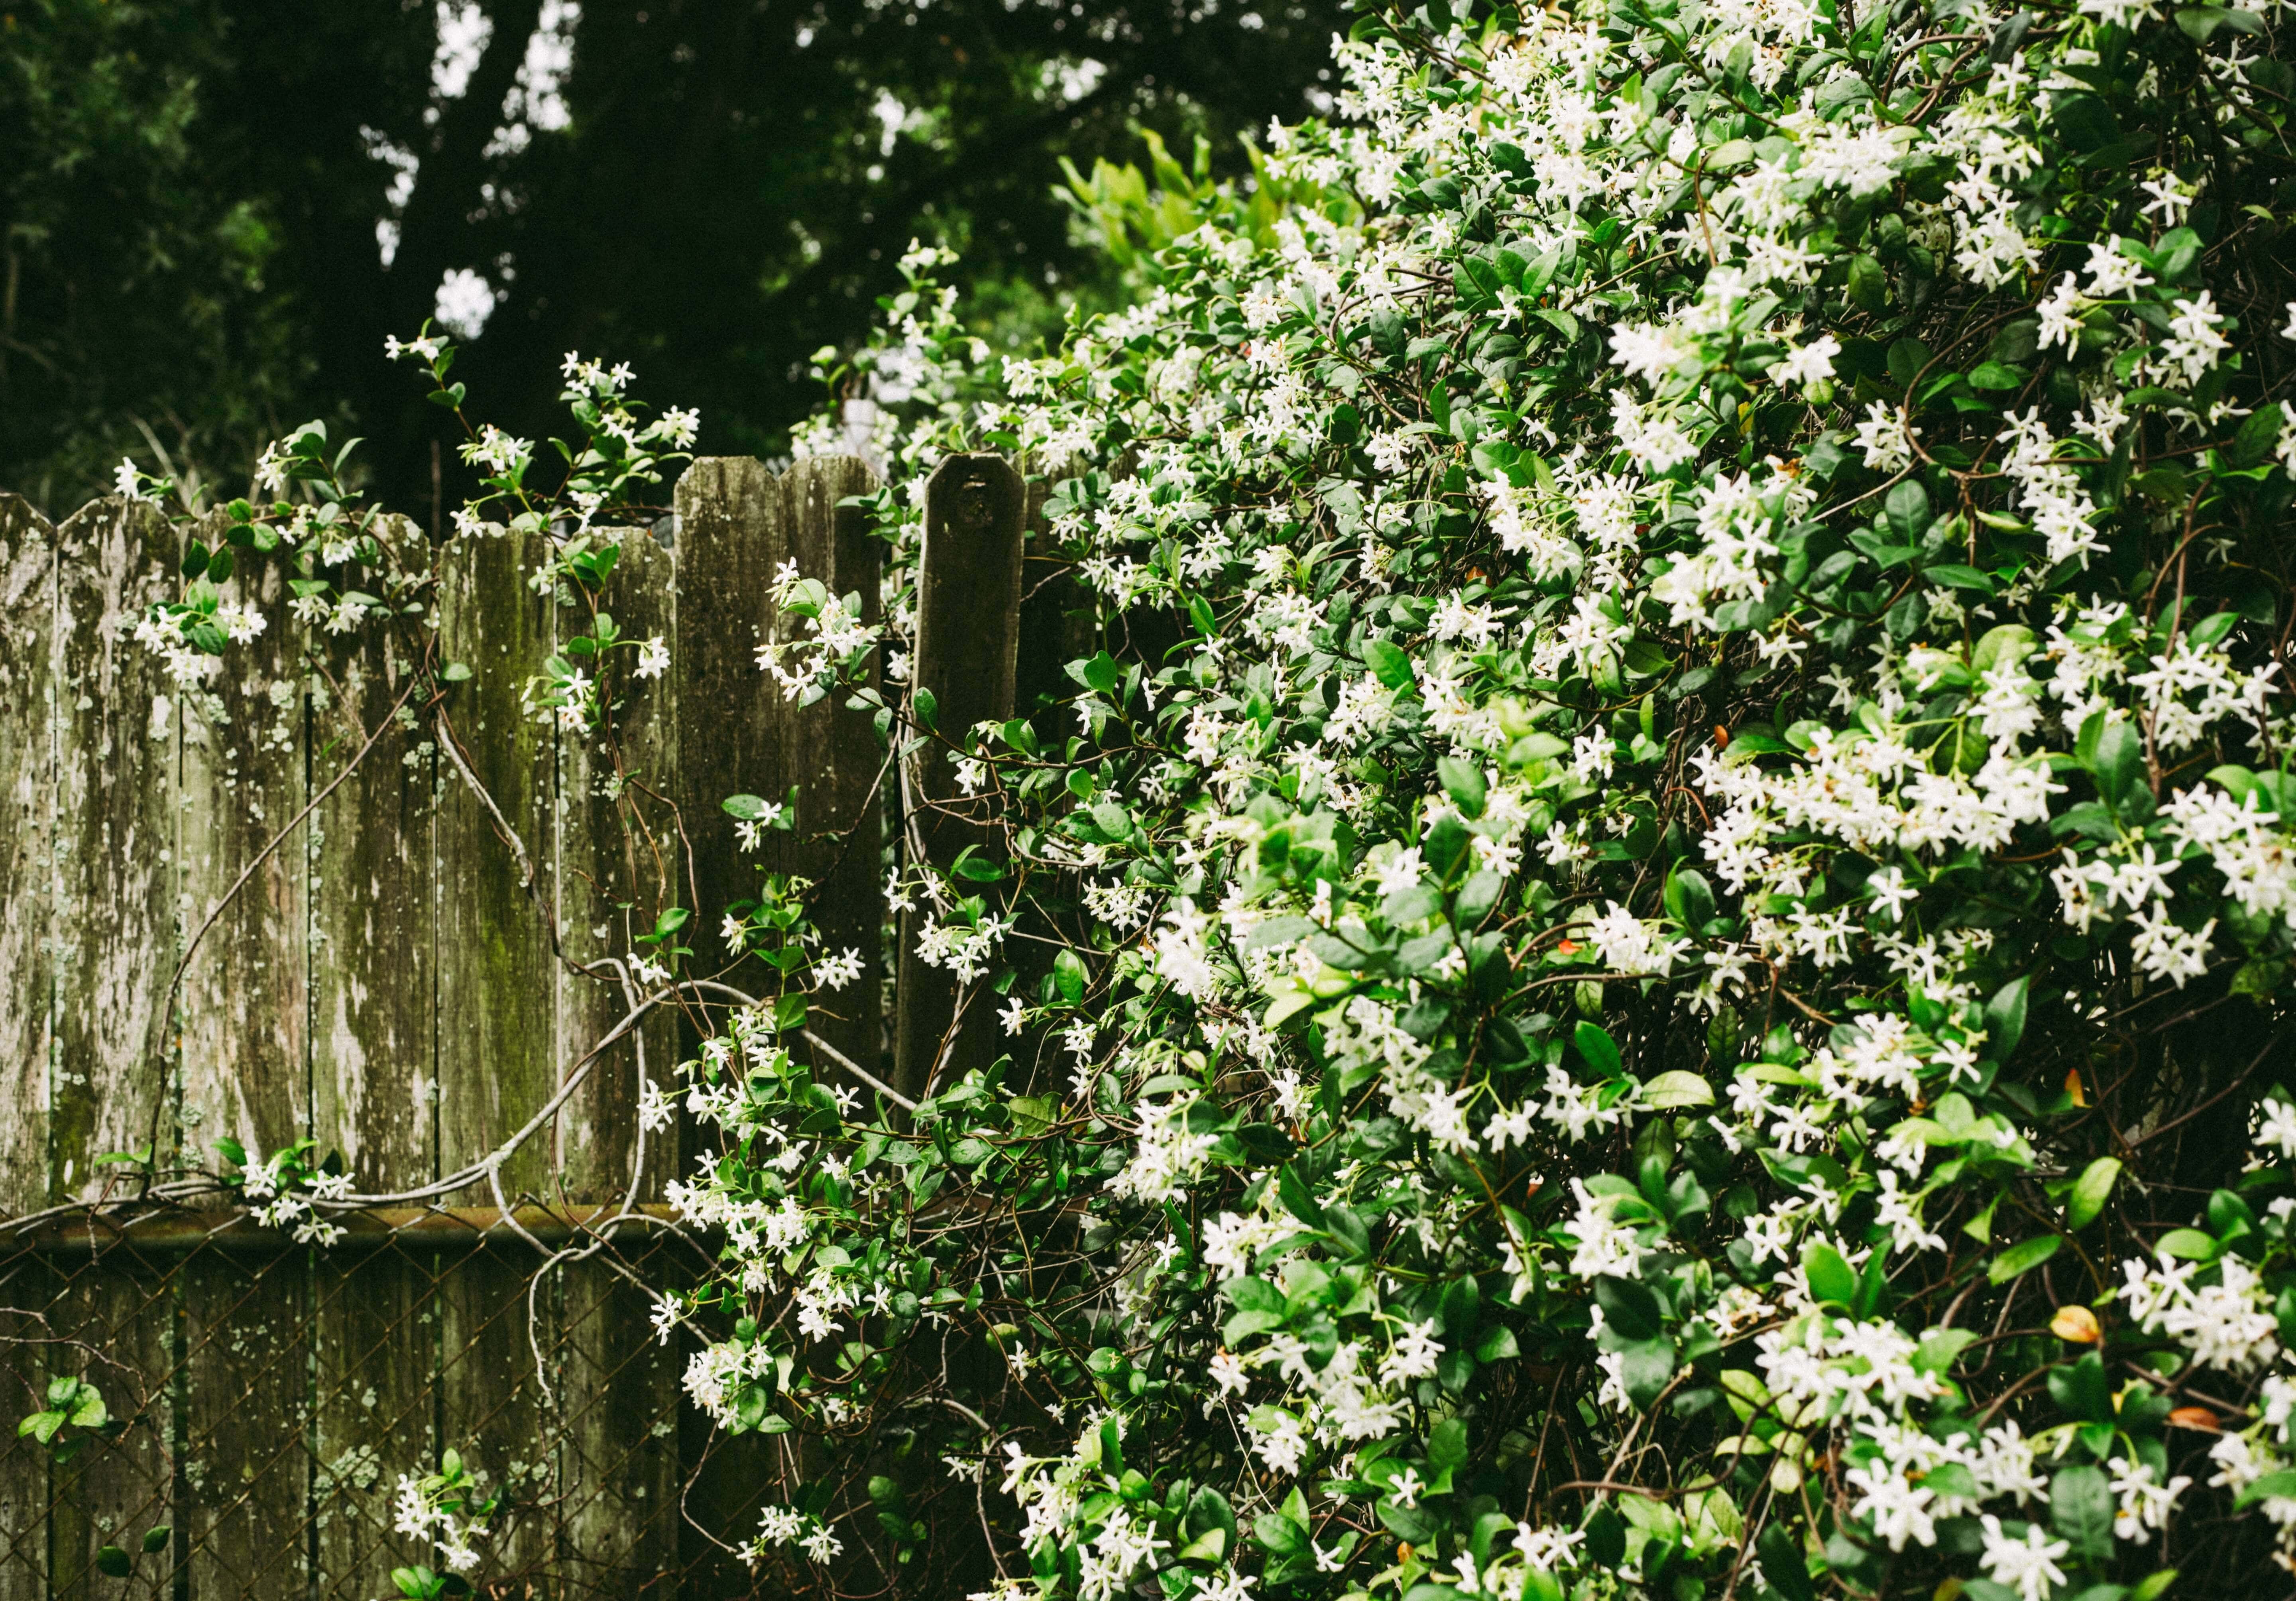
1899,1509
1805,365
2029,1565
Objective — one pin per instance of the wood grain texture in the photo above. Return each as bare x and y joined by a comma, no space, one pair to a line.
27,780
968,615
496,1035
375,1354
245,1001
245,1072
729,536
836,758
373,964
497,1045
117,856
618,867
373,984
620,1473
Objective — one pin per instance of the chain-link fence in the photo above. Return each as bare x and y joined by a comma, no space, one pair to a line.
261,1399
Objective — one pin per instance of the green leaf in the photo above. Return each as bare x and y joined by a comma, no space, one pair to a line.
2009,642
1689,897
2086,121
1645,1368
2091,1190
1463,781
2082,1390
2005,1019
1278,1534
1907,509
1069,976
1600,1050
749,808
114,1563
2153,1586
2115,758
1829,1276
927,706
2281,1485
1630,1307
1676,1088
2187,1245
1446,1445
2081,1509
1783,1565
1388,662
1940,1347
155,1538
2022,1257
1298,1196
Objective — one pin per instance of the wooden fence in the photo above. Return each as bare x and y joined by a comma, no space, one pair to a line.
389,962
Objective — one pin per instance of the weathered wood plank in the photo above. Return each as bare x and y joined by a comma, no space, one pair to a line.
245,1072
245,1001
968,617
113,935
492,1406
27,607
836,757
29,1285
373,964
375,1339
620,864
247,1355
373,1001
114,1488
729,537
1058,624
495,1044
498,1052
618,868
621,1474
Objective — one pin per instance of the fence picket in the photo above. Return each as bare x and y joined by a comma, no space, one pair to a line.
114,865
117,858
618,859
245,1074
835,758
28,604
498,1047
968,619
374,999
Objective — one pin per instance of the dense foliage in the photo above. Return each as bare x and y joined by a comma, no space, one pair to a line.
1678,984
1656,958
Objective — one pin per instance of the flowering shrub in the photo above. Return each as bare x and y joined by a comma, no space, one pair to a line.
1676,982
1647,995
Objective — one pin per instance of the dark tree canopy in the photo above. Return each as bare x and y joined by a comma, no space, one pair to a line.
190,194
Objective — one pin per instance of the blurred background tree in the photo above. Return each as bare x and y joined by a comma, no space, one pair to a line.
213,211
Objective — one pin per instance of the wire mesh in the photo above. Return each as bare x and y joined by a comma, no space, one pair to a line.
263,1399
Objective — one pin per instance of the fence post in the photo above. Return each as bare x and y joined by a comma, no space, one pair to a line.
968,627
